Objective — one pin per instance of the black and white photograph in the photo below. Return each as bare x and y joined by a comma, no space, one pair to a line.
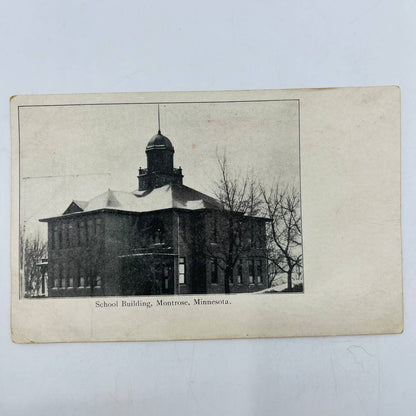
175,198
208,208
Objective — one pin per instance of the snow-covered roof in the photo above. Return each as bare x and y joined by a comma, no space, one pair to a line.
166,197
81,204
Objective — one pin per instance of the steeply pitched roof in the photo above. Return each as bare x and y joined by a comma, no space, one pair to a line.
76,206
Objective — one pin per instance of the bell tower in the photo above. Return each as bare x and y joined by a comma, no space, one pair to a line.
160,170
159,152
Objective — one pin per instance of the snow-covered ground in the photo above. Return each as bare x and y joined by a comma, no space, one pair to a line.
279,285
274,289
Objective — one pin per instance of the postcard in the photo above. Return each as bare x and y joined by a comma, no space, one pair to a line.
206,215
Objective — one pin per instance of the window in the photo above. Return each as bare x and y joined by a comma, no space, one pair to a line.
59,276
71,237
99,226
71,277
90,230
77,236
240,272
183,223
73,234
166,276
65,239
255,233
251,240
259,235
259,276
251,272
60,236
56,276
214,271
88,278
237,235
157,231
82,234
182,270
76,275
55,240
81,282
97,281
215,229
64,276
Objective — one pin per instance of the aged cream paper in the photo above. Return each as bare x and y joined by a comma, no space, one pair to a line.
339,149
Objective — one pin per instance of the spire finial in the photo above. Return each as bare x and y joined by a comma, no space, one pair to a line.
158,119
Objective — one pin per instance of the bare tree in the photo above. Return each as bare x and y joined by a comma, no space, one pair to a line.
274,273
32,250
284,235
239,197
